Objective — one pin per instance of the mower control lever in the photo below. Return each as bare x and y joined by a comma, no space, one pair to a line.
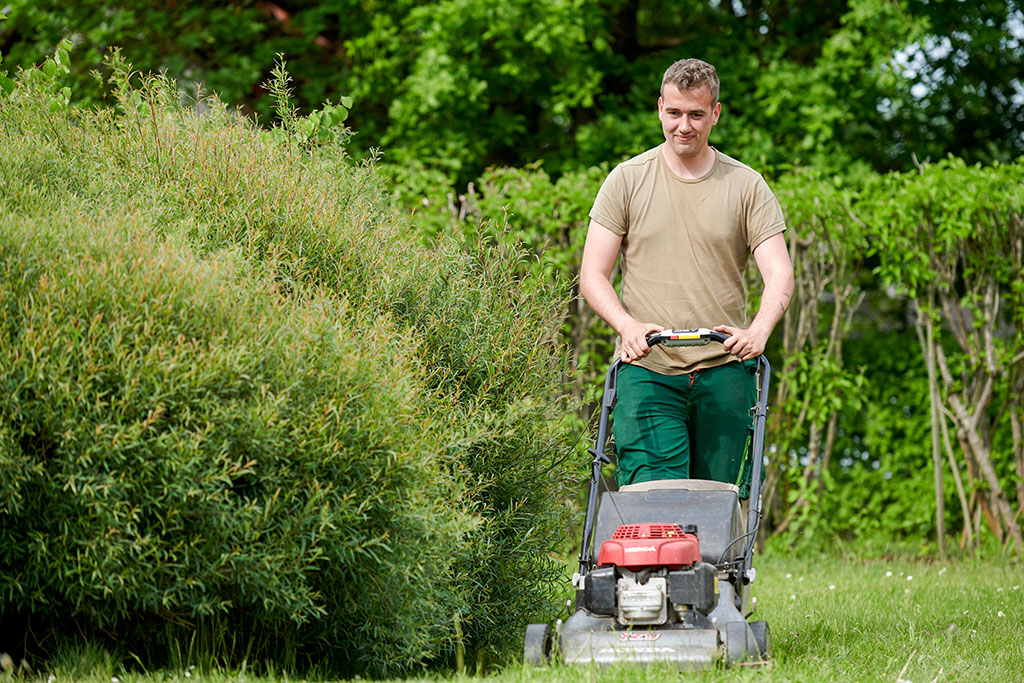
698,337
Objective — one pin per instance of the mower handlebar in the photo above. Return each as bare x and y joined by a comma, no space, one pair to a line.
698,337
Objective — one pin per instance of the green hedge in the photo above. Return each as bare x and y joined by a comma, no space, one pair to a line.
239,397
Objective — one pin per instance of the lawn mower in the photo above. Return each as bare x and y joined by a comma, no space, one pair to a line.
671,581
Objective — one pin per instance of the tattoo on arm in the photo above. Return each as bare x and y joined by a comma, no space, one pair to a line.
785,304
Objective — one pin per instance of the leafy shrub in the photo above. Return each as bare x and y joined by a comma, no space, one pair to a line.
238,391
509,207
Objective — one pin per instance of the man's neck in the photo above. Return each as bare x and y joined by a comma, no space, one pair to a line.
689,168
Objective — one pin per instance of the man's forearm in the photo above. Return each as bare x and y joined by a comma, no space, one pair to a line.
777,272
600,295
778,291
599,256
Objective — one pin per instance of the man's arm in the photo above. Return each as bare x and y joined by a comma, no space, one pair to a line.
772,258
599,255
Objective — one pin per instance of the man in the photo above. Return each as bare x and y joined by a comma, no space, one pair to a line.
685,218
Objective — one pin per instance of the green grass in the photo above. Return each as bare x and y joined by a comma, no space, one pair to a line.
831,620
866,620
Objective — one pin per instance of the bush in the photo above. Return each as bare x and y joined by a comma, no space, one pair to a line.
239,396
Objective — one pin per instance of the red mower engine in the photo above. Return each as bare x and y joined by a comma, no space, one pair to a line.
650,574
637,546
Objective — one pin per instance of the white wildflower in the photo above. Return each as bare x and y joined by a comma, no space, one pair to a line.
832,587
943,571
888,573
789,576
1001,613
910,578
792,596
115,679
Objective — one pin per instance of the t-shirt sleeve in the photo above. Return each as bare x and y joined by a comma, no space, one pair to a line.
764,215
611,205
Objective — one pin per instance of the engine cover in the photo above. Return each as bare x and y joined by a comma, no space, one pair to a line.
645,604
637,546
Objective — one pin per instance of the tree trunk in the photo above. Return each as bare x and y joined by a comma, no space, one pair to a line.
1016,428
927,341
968,424
965,508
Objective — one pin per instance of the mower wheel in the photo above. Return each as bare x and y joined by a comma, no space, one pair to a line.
537,645
763,636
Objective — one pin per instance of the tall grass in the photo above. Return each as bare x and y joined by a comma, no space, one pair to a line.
240,398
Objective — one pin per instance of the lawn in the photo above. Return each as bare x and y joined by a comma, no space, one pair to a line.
867,620
831,620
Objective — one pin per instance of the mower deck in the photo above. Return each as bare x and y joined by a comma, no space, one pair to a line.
720,633
585,639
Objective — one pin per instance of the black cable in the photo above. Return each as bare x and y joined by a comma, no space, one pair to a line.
734,542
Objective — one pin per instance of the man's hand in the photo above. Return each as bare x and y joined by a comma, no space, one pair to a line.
746,344
634,339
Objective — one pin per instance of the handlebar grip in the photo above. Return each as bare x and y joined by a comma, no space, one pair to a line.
698,337
719,337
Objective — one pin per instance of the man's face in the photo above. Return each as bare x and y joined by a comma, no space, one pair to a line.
687,117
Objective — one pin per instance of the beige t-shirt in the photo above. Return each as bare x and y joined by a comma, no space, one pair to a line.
685,246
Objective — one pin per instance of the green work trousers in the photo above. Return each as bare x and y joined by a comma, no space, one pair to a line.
692,426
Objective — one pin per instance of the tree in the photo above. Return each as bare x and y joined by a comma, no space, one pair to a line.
955,239
461,85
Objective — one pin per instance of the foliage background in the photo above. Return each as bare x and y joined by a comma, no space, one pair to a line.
891,131
460,85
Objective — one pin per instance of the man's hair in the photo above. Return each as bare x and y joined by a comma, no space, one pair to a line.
689,74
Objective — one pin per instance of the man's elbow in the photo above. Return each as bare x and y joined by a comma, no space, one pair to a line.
788,281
